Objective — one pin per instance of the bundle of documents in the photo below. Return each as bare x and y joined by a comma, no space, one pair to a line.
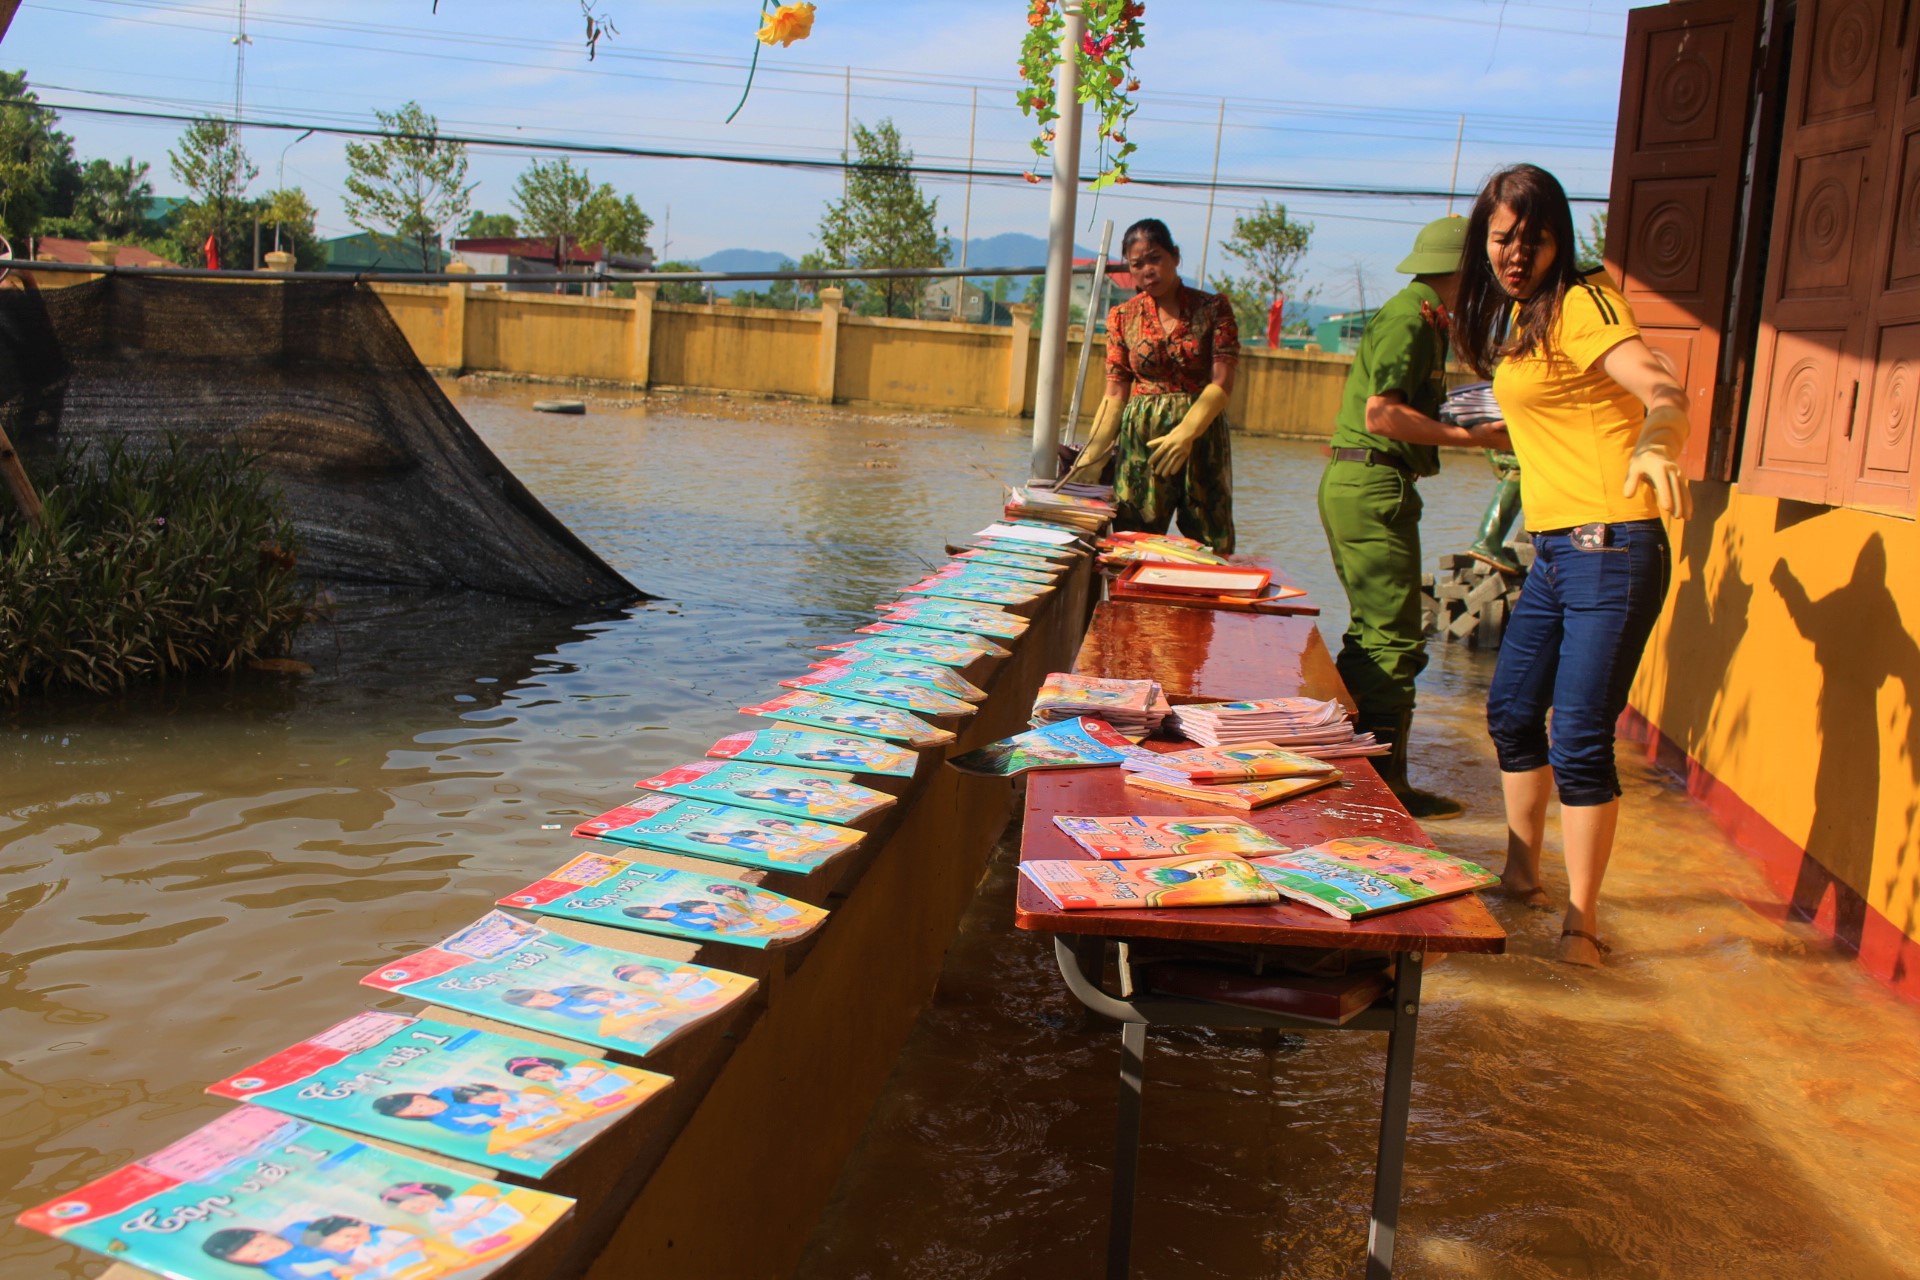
1250,776
1133,707
1125,548
1037,503
1307,726
1471,405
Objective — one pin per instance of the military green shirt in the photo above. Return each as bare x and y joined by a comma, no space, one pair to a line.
1400,351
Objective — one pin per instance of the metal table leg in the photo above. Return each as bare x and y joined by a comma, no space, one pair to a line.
1393,1116
1126,1149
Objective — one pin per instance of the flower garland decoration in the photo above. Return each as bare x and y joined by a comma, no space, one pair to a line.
1107,82
781,26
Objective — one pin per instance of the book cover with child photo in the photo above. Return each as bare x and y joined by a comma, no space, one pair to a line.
664,900
844,715
258,1194
722,833
774,788
479,1096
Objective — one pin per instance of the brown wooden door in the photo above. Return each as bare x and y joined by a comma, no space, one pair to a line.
1684,95
1813,365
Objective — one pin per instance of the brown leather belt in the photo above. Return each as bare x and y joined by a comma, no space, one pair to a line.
1374,458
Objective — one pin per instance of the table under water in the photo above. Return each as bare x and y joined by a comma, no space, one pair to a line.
193,877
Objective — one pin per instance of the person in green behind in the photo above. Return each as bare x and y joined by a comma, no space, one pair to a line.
1386,437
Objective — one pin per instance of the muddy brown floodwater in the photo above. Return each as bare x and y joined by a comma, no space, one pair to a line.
203,872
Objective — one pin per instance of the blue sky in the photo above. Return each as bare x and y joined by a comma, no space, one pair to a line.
1317,91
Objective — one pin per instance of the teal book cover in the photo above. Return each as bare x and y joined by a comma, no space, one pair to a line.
955,615
478,1096
887,690
723,833
504,968
805,749
775,788
889,667
674,903
939,652
844,715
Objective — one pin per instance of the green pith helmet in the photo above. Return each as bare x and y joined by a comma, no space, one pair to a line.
1437,249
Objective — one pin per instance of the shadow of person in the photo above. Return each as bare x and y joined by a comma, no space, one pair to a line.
1859,644
1707,623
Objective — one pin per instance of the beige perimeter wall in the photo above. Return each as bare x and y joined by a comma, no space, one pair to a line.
828,355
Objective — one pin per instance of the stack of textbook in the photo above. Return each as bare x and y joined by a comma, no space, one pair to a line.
1036,503
1248,776
1133,707
1307,726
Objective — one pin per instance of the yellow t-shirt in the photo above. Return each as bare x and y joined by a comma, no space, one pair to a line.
1573,427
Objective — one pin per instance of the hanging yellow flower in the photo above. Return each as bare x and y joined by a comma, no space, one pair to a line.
786,24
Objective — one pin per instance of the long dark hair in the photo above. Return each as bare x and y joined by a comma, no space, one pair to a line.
1154,232
1539,204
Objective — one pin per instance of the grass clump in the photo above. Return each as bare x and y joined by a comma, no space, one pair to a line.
144,565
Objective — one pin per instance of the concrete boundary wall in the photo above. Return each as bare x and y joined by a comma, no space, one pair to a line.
828,355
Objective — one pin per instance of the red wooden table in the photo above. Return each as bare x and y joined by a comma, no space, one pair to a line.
1205,655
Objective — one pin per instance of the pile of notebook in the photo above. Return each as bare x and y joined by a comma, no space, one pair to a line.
1248,776
1125,548
1036,503
1471,405
1307,726
1133,707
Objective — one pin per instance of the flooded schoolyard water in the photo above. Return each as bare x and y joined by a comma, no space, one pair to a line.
202,873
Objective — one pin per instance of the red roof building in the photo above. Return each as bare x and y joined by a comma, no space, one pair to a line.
57,249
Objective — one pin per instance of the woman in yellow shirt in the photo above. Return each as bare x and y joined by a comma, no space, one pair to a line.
1598,423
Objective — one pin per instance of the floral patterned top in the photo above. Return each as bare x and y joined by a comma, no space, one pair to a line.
1159,360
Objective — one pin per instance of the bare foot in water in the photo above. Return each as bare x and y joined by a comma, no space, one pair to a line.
1531,896
1581,948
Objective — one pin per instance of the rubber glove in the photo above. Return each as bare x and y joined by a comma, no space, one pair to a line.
1100,437
1656,461
1167,455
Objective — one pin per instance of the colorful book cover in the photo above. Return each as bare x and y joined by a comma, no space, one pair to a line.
1234,795
975,590
998,572
871,719
805,750
888,691
952,615
794,792
1060,557
722,833
1356,877
1010,560
1065,688
939,652
511,971
1070,744
1246,762
675,903
256,1193
478,1096
930,674
1167,837
966,639
1074,885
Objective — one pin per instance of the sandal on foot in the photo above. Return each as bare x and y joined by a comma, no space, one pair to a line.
1600,947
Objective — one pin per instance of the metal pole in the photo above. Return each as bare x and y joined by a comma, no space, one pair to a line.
846,138
1213,187
1045,460
966,216
1096,289
1453,182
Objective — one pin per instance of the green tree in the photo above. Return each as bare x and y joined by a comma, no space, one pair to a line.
113,198
783,295
39,177
407,187
1269,247
883,221
290,216
1590,249
615,222
687,292
487,226
551,199
213,165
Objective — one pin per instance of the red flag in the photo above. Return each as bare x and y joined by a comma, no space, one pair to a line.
212,249
1276,317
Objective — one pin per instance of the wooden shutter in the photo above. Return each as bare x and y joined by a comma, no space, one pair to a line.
1814,366
1879,469
1685,89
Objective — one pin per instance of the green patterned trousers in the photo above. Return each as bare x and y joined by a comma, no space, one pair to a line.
1201,496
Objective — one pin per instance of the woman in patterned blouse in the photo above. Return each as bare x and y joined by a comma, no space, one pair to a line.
1171,352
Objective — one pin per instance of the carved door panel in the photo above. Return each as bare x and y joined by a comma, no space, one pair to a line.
1684,98
1813,367
1881,457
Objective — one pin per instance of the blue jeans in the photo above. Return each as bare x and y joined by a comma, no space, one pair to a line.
1572,645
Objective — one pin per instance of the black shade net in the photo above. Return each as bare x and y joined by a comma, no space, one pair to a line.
384,479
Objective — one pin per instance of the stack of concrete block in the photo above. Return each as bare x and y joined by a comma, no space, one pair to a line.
1469,600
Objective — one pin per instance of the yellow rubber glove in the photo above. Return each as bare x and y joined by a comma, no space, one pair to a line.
1656,461
1100,437
1167,455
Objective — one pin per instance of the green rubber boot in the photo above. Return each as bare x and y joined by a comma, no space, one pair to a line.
1490,547
1394,730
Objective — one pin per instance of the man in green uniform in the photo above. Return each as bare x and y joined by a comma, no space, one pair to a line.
1386,438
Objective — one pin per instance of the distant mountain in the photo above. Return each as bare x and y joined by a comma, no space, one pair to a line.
1012,249
743,260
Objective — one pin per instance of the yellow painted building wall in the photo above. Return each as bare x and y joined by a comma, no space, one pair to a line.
1786,667
922,363
749,349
